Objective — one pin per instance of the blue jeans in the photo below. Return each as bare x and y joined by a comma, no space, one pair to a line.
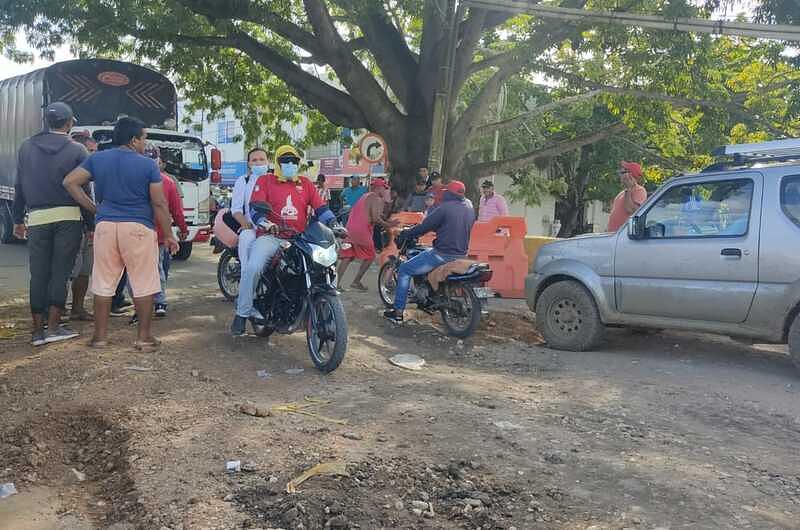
164,261
261,253
419,264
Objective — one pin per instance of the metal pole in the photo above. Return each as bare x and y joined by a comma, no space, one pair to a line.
441,104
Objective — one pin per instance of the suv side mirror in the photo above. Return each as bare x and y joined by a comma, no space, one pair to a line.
636,227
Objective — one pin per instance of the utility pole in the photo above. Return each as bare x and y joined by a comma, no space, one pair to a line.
441,104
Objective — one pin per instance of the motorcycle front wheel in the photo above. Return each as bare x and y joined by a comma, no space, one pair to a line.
387,283
326,332
462,314
229,272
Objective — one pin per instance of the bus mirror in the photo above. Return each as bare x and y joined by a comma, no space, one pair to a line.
216,159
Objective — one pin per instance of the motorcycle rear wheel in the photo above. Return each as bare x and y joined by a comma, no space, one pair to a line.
326,332
462,319
387,283
229,272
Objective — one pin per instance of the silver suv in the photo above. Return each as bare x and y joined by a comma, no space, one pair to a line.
717,252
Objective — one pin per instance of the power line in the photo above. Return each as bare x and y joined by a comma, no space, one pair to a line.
686,24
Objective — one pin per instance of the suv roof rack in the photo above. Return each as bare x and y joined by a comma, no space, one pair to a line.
785,149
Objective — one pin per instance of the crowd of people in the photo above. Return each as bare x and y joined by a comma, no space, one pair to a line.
103,220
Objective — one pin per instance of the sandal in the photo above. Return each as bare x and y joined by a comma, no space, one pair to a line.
359,287
147,346
98,343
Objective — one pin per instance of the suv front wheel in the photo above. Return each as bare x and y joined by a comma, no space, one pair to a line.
794,341
568,317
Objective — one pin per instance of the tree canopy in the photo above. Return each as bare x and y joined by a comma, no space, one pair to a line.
376,64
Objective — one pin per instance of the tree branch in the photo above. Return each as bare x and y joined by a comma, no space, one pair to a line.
388,47
489,62
339,107
359,43
519,119
373,100
245,10
485,169
734,108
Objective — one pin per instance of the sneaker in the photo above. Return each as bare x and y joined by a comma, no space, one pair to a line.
393,316
62,333
125,303
134,320
37,338
238,326
161,310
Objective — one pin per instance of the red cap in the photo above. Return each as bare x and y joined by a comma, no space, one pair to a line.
633,168
457,187
379,182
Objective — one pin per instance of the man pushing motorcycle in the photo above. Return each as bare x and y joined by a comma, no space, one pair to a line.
279,207
452,221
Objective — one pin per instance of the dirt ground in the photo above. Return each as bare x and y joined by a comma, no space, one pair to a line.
654,431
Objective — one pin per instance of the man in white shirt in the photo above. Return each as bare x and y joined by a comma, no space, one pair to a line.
257,165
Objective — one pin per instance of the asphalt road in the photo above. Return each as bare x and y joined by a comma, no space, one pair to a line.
13,270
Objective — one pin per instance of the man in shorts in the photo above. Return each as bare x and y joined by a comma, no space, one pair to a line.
366,213
129,196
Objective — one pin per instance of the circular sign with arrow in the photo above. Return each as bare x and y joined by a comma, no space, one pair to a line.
373,147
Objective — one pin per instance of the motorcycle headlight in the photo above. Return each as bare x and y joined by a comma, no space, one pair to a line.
324,256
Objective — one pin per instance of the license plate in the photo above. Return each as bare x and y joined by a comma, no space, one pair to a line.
484,292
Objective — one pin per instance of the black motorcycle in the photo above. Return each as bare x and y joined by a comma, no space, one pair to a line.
229,269
460,298
298,289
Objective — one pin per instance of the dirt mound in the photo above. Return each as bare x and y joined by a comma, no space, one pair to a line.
394,493
84,453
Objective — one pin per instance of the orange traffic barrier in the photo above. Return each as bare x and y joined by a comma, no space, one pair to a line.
406,219
500,242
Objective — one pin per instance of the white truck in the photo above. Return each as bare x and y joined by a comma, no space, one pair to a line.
99,92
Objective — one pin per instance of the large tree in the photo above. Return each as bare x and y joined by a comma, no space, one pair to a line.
376,64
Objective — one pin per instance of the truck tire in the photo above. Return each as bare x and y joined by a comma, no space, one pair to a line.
794,341
568,318
6,225
184,251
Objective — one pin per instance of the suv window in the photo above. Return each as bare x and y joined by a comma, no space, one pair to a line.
702,209
790,197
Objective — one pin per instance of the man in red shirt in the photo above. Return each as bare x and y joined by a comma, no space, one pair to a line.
279,207
630,198
367,212
175,206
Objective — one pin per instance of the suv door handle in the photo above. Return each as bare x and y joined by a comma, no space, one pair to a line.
731,252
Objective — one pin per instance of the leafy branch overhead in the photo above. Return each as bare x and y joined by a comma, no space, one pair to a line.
376,64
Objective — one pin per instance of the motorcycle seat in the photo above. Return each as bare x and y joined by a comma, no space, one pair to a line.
474,270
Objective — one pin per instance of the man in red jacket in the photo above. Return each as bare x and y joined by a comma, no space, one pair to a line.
176,211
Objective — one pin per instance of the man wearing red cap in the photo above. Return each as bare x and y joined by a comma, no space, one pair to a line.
452,221
630,198
366,213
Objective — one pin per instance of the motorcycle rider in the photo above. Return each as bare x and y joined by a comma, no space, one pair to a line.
452,221
279,207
